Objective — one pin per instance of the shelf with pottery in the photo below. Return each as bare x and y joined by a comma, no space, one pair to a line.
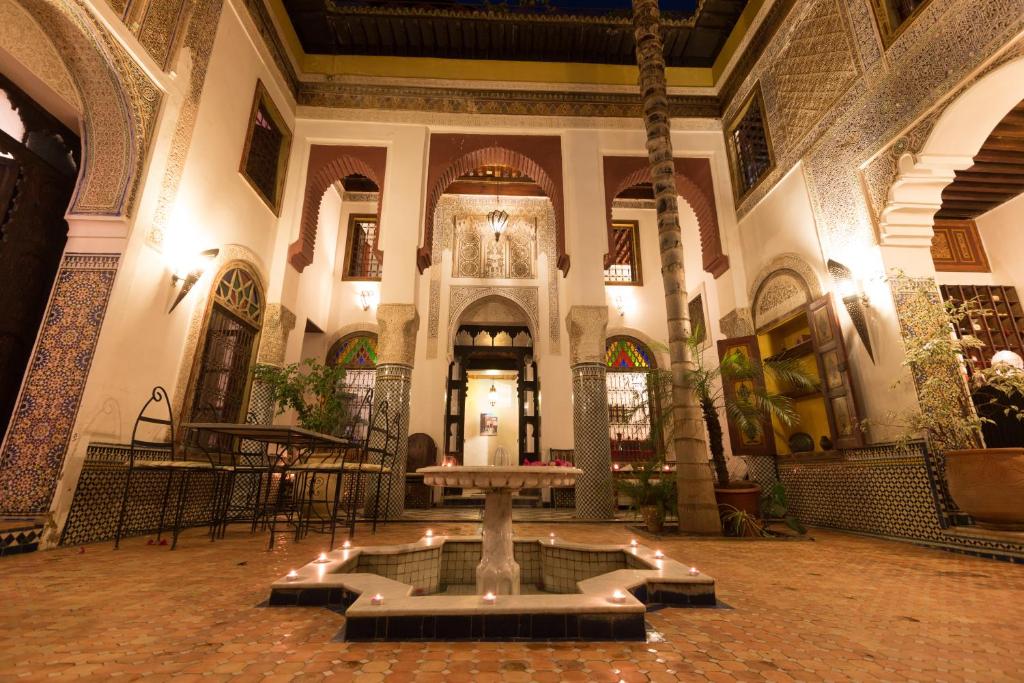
790,339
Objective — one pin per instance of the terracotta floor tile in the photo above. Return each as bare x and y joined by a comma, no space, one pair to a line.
841,608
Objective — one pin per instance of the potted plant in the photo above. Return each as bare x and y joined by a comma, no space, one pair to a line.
315,392
652,492
986,483
748,410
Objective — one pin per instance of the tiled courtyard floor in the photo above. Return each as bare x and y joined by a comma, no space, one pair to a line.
838,608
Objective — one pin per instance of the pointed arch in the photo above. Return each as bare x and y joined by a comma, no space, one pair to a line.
537,156
694,184
327,165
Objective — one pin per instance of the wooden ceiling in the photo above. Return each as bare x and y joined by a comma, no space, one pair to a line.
590,31
996,176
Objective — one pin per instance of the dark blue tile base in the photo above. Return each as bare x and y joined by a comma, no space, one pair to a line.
498,627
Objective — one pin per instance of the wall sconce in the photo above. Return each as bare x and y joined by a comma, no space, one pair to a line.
492,393
365,299
620,305
192,275
854,298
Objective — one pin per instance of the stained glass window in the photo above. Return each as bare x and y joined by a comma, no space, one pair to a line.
624,353
625,266
239,292
630,399
750,147
354,352
362,262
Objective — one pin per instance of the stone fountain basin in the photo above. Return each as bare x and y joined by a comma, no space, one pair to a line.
512,478
579,581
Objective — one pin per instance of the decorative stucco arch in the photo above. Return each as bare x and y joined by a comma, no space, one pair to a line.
522,298
119,104
350,329
694,185
327,165
958,133
784,284
539,157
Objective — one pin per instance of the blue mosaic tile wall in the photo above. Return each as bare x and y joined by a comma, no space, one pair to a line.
37,439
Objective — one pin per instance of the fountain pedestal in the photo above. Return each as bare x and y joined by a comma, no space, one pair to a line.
498,571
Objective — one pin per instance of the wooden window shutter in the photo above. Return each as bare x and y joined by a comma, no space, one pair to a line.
836,383
743,443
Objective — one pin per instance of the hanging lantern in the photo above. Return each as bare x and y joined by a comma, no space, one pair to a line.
498,220
493,394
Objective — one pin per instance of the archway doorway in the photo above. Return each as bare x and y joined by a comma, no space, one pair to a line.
492,411
39,161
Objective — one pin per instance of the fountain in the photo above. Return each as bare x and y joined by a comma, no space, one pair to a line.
498,571
448,588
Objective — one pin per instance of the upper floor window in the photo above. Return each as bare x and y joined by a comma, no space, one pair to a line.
750,149
625,264
266,149
894,16
362,260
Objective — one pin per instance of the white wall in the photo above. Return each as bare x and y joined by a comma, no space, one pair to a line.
1002,233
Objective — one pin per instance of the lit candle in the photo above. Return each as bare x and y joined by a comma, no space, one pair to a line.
346,545
490,597
615,467
322,558
292,575
694,571
658,554
665,468
377,599
430,533
633,542
618,596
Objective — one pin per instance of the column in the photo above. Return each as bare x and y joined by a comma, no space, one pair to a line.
587,326
278,322
396,348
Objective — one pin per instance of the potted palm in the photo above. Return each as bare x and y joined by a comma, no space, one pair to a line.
652,492
986,483
749,410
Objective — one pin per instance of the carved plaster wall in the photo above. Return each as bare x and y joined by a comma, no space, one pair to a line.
784,284
535,211
24,40
396,341
587,326
278,322
462,297
198,41
941,48
120,106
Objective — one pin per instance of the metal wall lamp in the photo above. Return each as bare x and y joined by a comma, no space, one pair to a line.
855,300
203,260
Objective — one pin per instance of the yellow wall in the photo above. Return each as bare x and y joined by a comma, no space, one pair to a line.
479,449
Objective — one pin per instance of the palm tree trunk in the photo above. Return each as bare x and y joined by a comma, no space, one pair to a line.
698,512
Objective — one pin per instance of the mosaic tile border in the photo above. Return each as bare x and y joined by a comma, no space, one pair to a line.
37,440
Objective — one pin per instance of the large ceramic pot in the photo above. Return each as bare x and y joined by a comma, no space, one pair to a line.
745,496
654,518
988,484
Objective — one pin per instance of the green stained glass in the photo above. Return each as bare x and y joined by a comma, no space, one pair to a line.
239,293
357,352
624,353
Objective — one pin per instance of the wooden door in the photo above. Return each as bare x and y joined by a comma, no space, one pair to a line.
455,410
742,442
836,383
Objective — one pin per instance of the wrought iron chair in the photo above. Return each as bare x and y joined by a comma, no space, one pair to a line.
346,465
152,416
382,446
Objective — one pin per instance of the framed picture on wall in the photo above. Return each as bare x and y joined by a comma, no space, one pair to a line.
488,424
698,311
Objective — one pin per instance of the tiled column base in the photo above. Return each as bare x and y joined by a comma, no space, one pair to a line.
594,498
394,384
